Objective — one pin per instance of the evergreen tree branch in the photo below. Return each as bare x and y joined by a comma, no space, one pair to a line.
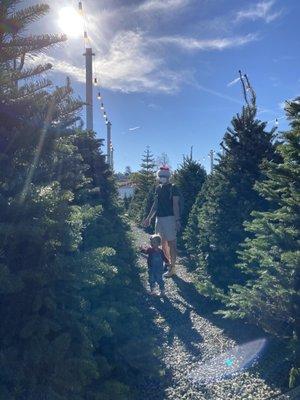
15,48
29,90
21,18
30,72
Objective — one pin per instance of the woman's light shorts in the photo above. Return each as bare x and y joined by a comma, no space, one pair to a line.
166,227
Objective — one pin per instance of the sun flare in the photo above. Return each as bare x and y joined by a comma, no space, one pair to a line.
70,21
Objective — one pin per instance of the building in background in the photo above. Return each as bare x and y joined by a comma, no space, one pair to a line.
125,189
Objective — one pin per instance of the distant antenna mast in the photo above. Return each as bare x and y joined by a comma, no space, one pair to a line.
247,88
250,88
244,87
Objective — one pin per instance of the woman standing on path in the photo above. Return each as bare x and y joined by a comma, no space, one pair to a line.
167,222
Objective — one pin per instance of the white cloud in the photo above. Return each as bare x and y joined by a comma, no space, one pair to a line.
162,5
261,10
132,63
129,65
207,44
128,56
58,65
134,128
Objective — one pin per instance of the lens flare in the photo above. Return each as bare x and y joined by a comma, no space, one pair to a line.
228,364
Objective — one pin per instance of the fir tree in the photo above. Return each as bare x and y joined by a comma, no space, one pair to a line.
271,256
229,198
144,182
191,231
148,165
68,287
189,178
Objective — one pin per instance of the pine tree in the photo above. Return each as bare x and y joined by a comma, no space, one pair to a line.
39,226
191,231
14,47
37,223
144,182
70,327
113,305
229,198
148,165
189,178
270,256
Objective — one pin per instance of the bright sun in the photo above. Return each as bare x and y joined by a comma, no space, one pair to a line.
70,21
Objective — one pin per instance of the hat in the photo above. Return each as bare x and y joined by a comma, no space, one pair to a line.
163,172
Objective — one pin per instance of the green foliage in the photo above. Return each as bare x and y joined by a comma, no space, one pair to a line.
144,182
70,326
270,257
189,178
226,200
294,377
191,231
126,202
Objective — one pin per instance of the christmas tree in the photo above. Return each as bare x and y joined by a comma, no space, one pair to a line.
70,325
270,256
144,182
229,197
189,178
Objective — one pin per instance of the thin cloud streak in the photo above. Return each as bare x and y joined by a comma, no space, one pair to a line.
233,82
208,44
162,5
134,128
261,10
218,94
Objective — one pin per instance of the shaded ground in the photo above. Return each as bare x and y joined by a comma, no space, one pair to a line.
190,335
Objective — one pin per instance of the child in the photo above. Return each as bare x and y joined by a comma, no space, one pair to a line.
155,260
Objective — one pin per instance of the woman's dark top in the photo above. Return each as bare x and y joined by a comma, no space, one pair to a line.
164,195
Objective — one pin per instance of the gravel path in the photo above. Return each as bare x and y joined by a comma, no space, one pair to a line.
190,334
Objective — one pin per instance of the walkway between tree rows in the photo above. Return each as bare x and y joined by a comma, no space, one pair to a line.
189,333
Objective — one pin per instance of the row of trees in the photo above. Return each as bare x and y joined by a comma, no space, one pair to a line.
243,230
241,223
71,327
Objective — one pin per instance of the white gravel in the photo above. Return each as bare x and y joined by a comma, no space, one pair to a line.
188,338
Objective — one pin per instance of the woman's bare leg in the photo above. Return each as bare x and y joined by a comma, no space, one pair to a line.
173,252
166,249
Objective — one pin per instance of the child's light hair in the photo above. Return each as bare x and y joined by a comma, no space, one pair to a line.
155,239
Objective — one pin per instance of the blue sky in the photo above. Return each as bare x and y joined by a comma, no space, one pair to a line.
165,68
